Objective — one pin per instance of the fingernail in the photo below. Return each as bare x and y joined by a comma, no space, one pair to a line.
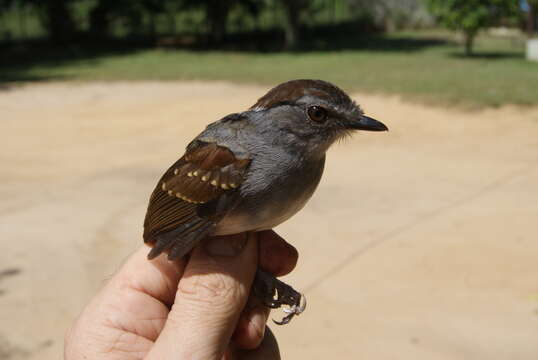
257,319
228,246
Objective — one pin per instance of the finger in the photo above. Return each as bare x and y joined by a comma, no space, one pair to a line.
142,293
157,278
210,297
135,301
268,349
276,255
279,258
251,326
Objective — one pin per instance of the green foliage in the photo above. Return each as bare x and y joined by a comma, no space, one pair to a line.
469,16
393,14
217,13
472,15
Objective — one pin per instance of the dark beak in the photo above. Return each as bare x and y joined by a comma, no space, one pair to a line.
368,124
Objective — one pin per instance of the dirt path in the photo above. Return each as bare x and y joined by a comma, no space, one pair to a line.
420,243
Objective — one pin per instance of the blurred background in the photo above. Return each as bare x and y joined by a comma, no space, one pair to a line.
425,249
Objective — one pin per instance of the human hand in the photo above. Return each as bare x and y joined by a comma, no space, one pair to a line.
194,309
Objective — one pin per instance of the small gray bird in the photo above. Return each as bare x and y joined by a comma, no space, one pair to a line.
251,171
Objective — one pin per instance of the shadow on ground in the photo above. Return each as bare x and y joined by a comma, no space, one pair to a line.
488,55
18,59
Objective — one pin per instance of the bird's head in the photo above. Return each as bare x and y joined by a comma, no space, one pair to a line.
312,112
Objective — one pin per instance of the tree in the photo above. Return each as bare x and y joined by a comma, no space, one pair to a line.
54,15
217,11
470,16
132,12
292,25
99,18
217,16
392,14
59,20
532,12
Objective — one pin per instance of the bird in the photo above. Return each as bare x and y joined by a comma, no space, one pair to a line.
251,171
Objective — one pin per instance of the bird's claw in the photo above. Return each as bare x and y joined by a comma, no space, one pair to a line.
275,293
295,309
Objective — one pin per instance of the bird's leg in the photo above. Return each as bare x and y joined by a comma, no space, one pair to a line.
274,293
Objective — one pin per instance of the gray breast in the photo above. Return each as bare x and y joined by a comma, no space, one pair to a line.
277,187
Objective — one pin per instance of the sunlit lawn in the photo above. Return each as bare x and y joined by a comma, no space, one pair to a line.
429,71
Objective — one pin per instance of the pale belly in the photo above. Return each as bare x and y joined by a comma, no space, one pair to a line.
264,207
263,218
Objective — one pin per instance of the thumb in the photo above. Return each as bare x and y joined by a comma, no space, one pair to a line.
210,297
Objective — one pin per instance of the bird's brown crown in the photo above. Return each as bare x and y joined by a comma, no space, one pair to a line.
291,91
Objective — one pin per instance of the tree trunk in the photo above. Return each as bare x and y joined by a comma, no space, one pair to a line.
100,20
152,26
531,20
59,21
292,24
22,21
217,16
469,42
171,20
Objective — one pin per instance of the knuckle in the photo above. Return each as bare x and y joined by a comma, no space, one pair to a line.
211,289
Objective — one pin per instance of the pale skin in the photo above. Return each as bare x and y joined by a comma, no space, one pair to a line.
198,308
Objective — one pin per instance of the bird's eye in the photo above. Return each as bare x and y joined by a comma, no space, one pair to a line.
317,114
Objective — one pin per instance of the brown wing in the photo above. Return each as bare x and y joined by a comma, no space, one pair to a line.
182,208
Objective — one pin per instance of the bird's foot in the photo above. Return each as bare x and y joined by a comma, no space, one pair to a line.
295,309
274,293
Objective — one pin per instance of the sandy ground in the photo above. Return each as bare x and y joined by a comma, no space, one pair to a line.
420,243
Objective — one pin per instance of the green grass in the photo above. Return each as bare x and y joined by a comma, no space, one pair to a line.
414,65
